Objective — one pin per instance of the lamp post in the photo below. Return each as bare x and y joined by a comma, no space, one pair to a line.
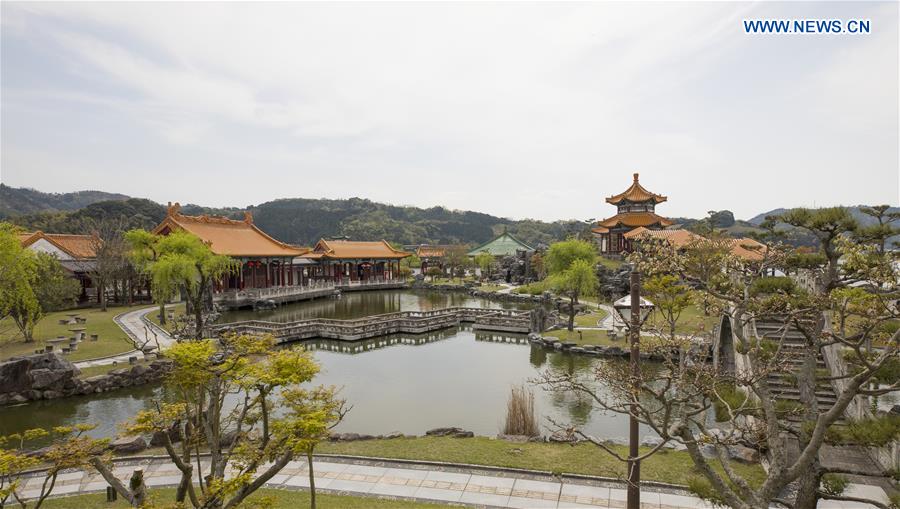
634,310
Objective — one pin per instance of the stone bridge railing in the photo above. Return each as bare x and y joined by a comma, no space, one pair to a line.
411,322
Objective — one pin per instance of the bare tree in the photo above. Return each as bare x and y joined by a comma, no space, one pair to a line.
772,400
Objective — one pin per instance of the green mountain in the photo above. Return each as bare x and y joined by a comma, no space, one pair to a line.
19,201
303,221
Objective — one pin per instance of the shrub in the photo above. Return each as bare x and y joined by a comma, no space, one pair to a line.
732,397
771,285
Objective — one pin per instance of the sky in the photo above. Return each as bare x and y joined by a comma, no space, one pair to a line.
538,110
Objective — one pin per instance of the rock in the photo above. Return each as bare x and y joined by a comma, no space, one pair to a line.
743,454
393,434
513,438
449,432
562,437
51,394
17,399
651,441
14,375
614,350
45,378
138,370
120,372
128,444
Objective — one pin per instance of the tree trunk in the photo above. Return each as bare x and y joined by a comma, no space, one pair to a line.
101,288
198,319
162,313
572,313
312,479
808,485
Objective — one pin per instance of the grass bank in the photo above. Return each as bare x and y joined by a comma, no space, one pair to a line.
666,466
282,499
112,339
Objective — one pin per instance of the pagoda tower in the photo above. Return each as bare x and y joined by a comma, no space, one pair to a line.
636,208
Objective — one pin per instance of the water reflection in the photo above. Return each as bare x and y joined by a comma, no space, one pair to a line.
403,382
361,304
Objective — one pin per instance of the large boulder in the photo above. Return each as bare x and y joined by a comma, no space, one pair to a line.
128,444
33,374
14,375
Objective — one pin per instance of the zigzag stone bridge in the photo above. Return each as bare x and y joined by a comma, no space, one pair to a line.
409,322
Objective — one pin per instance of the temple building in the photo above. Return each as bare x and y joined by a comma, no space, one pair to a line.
348,263
636,209
265,262
76,253
744,248
432,256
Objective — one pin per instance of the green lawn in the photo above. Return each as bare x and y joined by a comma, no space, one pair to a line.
112,339
591,319
666,466
153,316
691,321
585,337
283,499
489,287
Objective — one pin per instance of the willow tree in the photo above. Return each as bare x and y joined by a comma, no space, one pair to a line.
572,267
183,263
839,303
31,284
143,252
244,402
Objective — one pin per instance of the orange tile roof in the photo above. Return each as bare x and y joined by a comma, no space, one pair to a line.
634,219
228,236
744,248
636,193
600,229
748,249
431,251
678,238
350,249
81,247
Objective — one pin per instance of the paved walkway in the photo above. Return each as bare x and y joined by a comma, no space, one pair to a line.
477,488
133,324
386,479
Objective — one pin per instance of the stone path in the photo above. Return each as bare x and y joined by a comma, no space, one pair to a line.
478,488
133,324
396,480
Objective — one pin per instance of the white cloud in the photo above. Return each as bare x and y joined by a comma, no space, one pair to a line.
551,105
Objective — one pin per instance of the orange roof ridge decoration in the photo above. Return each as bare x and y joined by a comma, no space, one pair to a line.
633,219
636,193
82,247
353,249
229,237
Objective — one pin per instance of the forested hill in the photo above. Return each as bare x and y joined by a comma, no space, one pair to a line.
303,221
17,201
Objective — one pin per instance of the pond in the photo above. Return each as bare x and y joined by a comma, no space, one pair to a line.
406,383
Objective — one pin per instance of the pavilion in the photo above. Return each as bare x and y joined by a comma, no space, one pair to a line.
265,262
503,245
636,208
76,253
347,262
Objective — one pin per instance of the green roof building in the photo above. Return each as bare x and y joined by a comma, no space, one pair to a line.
503,245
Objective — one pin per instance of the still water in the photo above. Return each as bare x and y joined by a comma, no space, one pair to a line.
406,383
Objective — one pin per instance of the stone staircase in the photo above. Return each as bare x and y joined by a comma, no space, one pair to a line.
784,383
